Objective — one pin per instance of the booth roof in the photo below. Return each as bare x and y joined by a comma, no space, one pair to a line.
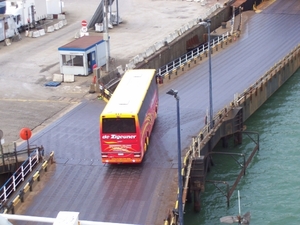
82,43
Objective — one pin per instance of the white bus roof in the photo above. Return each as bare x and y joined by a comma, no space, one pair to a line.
130,92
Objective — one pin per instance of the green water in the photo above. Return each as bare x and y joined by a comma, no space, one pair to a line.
271,188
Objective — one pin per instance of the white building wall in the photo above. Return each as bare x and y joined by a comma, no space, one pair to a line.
74,70
54,6
40,7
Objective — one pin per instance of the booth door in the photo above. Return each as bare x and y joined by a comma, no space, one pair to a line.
91,61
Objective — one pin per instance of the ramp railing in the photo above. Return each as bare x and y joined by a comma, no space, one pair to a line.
18,177
177,63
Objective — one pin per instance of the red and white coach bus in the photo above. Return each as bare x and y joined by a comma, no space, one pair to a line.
128,118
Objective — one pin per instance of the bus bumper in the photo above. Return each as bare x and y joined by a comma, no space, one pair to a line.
121,160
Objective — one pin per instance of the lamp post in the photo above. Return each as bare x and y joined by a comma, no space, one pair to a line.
180,210
106,36
211,122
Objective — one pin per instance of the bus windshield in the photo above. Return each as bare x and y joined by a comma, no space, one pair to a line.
118,125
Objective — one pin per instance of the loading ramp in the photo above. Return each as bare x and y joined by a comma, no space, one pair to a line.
99,13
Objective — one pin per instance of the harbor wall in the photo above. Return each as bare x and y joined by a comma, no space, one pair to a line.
197,33
180,45
269,83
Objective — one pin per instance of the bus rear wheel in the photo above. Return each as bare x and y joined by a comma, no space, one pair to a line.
146,145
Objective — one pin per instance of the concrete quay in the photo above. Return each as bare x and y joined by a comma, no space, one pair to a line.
28,64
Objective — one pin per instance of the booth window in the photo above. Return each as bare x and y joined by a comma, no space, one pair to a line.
72,60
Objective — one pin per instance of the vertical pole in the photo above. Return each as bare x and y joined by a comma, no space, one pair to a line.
240,25
61,6
211,125
239,202
106,34
179,165
15,151
28,147
232,20
1,148
2,154
244,165
4,26
117,3
97,80
110,9
227,194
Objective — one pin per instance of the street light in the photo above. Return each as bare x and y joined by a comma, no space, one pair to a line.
211,122
106,36
180,210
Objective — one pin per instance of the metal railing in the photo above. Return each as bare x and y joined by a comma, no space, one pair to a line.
177,63
174,65
239,99
18,177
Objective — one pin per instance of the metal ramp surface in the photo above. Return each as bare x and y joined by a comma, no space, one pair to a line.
99,14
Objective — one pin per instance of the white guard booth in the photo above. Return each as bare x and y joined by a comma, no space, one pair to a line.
79,56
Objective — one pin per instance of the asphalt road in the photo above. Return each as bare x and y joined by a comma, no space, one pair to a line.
30,63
